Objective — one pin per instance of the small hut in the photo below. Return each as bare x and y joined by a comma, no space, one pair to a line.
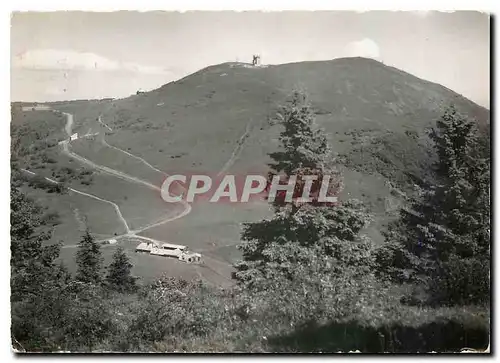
190,257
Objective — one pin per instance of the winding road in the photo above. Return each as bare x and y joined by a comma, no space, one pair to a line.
105,169
129,233
134,234
66,148
118,212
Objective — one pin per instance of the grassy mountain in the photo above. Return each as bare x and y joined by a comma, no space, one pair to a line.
375,117
363,105
222,118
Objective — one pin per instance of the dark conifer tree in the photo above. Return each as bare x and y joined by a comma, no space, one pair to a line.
119,272
299,231
89,260
442,239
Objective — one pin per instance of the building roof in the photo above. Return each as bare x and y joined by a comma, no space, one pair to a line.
163,252
170,245
192,254
144,246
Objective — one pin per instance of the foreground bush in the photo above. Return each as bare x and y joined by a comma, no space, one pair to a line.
404,330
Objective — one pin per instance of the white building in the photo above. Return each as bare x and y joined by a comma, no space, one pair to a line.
169,250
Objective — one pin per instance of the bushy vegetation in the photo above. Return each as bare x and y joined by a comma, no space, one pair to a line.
35,146
403,158
35,137
309,280
38,181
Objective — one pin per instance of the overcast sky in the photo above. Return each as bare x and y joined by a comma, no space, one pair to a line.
75,55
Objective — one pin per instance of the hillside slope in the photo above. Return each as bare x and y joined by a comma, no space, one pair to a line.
196,121
375,117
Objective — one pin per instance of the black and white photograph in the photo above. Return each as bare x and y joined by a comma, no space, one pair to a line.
250,181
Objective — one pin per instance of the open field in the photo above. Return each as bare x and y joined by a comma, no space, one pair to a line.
140,206
102,154
211,226
76,213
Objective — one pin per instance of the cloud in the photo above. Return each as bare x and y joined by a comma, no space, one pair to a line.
69,60
363,48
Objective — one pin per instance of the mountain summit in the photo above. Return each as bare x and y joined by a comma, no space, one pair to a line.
375,116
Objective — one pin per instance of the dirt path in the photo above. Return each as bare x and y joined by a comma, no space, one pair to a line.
237,150
117,209
107,170
130,233
118,212
134,233
129,154
69,123
103,124
66,149
187,207
68,128
234,155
